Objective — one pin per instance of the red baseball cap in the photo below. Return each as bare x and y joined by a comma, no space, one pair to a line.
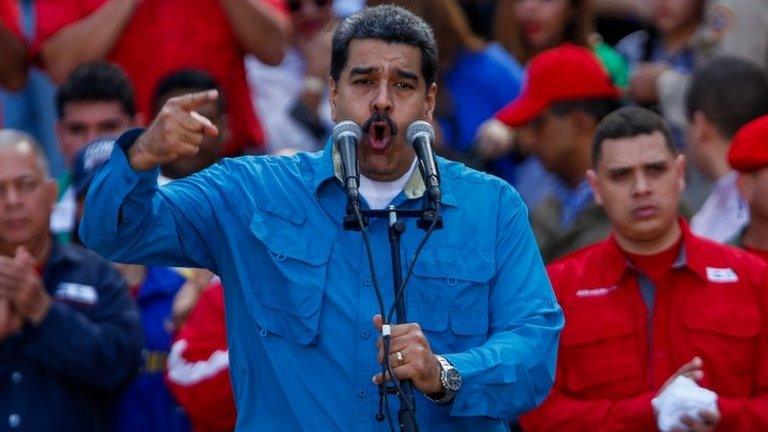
749,148
568,72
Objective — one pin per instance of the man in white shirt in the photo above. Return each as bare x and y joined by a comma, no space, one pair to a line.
724,95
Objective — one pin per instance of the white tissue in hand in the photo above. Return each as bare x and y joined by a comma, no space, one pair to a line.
682,397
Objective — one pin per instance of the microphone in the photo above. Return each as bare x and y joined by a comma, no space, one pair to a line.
421,135
346,135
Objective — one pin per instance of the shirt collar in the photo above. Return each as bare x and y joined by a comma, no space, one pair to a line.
327,166
691,256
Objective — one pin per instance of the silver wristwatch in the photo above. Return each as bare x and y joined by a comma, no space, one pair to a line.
450,379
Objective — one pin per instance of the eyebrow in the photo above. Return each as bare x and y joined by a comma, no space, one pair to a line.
406,74
622,169
359,70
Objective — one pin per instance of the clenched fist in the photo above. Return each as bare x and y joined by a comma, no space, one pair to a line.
177,131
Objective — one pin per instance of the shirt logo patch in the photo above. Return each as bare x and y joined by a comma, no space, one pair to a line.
595,292
721,275
84,294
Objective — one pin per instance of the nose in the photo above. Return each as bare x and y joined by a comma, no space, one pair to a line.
642,184
382,101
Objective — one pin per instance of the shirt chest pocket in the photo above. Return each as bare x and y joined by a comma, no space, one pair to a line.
602,351
448,296
292,258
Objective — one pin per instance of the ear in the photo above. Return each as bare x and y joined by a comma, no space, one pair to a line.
680,168
429,101
745,183
593,183
700,129
333,93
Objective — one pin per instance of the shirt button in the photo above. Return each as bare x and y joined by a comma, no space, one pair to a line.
451,281
14,420
263,332
364,334
362,394
367,282
16,377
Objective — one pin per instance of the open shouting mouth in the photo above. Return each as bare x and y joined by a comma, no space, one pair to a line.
379,129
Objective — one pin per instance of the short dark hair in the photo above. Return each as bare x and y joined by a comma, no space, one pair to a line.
730,92
629,122
390,24
97,82
187,79
596,108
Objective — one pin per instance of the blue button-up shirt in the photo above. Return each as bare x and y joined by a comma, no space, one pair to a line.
299,295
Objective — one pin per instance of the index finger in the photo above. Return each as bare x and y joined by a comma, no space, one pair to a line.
192,101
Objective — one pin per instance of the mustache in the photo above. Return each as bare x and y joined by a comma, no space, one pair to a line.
380,117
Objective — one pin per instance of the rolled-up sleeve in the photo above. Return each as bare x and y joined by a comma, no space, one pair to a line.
513,371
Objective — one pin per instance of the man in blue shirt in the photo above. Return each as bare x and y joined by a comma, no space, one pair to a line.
299,295
69,334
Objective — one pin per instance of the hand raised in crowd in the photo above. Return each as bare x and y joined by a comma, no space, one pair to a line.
177,131
410,357
21,285
316,50
642,83
707,420
494,139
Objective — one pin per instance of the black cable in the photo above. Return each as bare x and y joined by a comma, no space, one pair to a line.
420,246
384,321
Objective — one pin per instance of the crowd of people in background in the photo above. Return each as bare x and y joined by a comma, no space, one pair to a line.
528,90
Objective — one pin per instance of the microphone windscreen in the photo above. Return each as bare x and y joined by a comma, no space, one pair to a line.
347,127
420,127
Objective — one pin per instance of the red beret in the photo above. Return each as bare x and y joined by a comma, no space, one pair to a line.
749,148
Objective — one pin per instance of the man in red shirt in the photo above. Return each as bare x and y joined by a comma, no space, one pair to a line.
749,156
654,301
150,39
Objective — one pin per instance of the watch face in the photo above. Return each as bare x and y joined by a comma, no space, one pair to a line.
452,380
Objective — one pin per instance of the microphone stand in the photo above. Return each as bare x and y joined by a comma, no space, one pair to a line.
426,216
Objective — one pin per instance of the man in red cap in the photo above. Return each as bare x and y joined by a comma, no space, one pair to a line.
749,156
655,310
566,94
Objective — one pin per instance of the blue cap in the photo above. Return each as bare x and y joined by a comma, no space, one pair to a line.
87,162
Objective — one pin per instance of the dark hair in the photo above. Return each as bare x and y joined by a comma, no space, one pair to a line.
187,79
390,24
730,92
596,108
629,122
96,82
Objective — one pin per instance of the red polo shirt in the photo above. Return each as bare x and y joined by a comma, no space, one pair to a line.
165,36
713,304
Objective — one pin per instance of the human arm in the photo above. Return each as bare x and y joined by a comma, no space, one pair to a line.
13,68
259,27
127,218
84,40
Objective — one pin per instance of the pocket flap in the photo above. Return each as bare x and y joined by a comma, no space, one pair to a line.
744,323
455,262
599,326
287,240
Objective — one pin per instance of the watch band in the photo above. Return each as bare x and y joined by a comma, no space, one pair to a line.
447,395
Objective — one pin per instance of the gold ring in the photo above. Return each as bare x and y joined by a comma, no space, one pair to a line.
400,359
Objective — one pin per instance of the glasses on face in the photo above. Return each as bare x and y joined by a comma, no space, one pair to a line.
296,5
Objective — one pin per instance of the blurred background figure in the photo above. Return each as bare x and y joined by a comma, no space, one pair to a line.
292,97
749,156
665,44
150,39
96,101
557,115
528,27
70,337
26,91
724,95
